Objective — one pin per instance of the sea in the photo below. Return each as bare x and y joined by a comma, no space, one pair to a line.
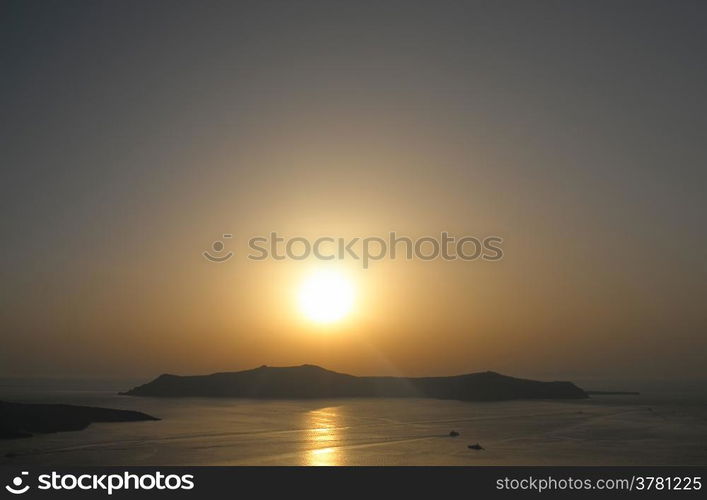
665,428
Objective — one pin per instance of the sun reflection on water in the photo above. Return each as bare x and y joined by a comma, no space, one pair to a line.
323,436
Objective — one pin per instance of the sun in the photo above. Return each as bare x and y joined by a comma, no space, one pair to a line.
326,296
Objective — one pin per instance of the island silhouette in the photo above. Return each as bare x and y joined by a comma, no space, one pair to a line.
310,381
19,420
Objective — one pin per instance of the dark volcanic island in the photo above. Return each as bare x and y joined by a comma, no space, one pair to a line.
308,381
21,420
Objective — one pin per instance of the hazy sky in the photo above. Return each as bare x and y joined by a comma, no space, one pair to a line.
136,133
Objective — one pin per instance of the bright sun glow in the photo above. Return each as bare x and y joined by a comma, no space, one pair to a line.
326,296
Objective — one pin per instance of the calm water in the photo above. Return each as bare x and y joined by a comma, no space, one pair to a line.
604,430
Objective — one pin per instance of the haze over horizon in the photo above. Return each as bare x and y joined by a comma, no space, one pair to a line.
137,133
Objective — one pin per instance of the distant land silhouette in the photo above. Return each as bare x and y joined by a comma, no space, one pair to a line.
19,420
308,381
613,393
